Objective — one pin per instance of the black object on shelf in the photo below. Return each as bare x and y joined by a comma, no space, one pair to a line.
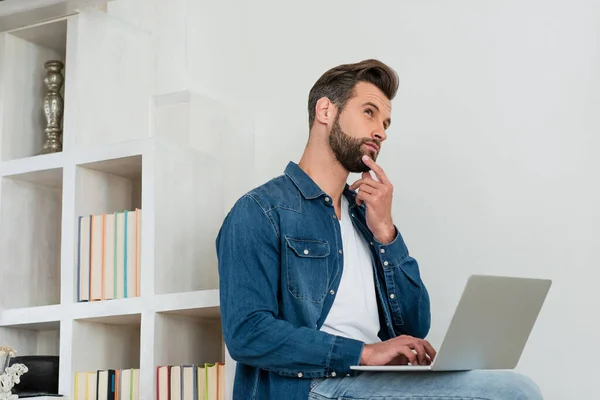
41,379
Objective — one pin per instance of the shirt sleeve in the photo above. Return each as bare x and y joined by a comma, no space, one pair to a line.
248,254
407,295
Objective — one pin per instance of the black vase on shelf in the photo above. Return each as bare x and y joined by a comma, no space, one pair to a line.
41,379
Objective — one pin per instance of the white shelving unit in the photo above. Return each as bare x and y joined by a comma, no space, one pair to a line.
123,148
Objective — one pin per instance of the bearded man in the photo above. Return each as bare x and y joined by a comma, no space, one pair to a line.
315,277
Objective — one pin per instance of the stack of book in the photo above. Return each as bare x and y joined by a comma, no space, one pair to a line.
108,384
108,255
191,382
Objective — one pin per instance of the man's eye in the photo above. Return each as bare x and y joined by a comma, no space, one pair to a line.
369,112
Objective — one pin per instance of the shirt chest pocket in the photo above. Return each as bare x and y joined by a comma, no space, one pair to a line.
306,267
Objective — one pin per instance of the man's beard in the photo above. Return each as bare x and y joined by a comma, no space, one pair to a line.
348,150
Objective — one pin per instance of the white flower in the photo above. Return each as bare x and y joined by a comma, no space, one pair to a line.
6,383
8,350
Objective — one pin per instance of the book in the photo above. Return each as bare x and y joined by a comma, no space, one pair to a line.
109,255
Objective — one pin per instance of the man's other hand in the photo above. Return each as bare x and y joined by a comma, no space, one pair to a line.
400,350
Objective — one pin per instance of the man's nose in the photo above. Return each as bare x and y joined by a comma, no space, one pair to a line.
380,135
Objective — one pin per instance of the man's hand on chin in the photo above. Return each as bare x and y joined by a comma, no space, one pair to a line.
377,195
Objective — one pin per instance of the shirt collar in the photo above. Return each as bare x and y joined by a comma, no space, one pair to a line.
308,187
304,183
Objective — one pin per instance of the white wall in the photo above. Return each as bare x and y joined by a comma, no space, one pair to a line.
492,147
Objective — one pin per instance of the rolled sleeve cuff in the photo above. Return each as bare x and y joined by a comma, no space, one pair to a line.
393,253
344,353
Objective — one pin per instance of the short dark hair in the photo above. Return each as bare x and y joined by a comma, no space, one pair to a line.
338,83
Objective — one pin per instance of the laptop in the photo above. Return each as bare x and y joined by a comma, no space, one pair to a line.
490,327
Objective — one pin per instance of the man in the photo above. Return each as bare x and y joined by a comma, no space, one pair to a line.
316,277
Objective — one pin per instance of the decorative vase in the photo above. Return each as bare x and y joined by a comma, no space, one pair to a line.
53,107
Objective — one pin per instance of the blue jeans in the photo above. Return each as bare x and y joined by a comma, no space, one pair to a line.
468,385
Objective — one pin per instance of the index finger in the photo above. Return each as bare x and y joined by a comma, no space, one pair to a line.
376,169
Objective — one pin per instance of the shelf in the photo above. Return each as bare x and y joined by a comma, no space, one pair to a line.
108,344
106,157
15,14
200,304
32,339
31,317
126,148
109,311
183,339
25,53
49,35
109,185
30,239
108,217
45,170
112,343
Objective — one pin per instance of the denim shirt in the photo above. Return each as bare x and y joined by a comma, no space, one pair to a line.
280,261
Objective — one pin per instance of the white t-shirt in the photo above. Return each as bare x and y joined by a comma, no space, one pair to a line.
354,311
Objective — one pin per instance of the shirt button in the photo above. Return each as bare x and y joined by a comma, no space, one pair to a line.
340,251
347,374
332,292
392,296
327,199
333,374
300,375
305,251
371,243
385,263
382,251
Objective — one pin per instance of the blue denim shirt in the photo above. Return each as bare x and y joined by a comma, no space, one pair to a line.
280,261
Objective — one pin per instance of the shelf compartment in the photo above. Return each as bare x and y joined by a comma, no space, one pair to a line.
25,52
109,185
33,339
30,239
185,341
112,342
107,243
105,343
182,339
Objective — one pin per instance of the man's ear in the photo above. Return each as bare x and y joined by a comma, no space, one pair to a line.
325,111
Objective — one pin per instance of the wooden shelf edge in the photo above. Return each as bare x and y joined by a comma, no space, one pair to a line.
193,303
39,317
16,14
110,311
105,153
32,164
